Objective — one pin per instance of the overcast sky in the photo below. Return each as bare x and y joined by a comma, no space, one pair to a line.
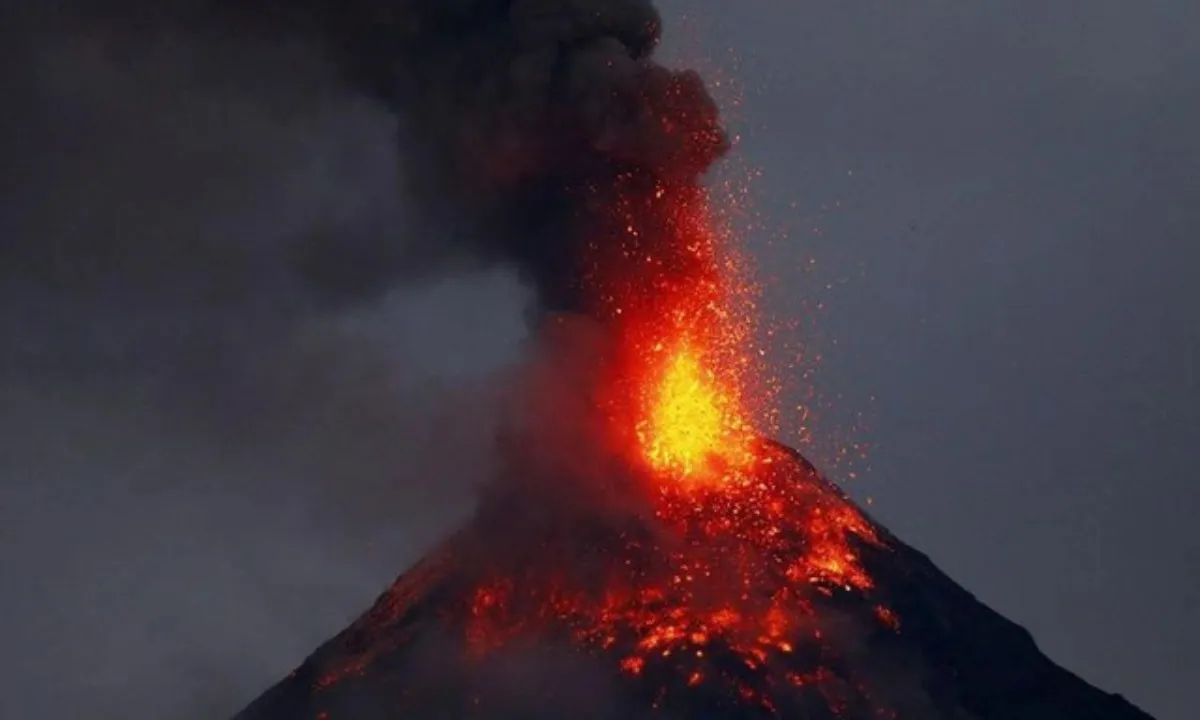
1001,201
1006,199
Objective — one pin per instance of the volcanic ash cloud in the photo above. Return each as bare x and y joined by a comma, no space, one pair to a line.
522,118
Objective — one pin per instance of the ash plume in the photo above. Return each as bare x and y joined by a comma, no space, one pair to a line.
521,116
194,193
230,364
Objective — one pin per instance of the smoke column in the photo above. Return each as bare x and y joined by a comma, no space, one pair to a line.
543,135
523,118
178,226
229,412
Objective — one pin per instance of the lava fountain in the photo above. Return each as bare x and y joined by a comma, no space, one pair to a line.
548,136
685,564
736,547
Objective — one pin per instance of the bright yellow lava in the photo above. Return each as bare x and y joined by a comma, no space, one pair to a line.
693,423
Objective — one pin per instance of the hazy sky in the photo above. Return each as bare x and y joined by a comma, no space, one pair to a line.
1006,198
1001,198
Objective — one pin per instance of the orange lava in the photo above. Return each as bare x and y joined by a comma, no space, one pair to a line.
715,572
690,420
745,540
737,568
677,302
716,583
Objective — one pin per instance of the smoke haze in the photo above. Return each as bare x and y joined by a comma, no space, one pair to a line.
523,117
237,391
242,321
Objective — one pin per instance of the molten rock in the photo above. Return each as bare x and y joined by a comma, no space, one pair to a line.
759,592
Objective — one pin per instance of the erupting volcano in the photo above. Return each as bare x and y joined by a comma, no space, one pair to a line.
691,569
755,592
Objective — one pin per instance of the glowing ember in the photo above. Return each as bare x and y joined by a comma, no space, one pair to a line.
687,421
693,423
744,542
678,382
715,582
731,569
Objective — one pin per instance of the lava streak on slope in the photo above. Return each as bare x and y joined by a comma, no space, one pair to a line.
722,587
715,586
718,583
738,549
730,593
672,296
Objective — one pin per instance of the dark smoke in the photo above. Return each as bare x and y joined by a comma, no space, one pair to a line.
210,458
526,114
182,112
214,446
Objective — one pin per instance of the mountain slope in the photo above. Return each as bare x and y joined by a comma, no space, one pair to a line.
546,619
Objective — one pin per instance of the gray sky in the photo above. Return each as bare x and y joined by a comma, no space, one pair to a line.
996,195
1006,198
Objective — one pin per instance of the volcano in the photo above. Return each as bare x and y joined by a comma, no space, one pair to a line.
644,552
770,596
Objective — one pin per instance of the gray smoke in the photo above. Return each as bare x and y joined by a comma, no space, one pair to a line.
237,390
520,117
210,457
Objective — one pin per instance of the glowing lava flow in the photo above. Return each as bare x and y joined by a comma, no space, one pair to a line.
715,585
712,571
744,543
693,423
724,591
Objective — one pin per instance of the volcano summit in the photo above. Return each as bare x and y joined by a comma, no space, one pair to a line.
772,596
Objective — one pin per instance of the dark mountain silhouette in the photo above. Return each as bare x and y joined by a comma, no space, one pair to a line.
529,619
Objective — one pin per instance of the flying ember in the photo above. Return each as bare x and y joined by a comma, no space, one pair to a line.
743,546
674,294
643,549
692,422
